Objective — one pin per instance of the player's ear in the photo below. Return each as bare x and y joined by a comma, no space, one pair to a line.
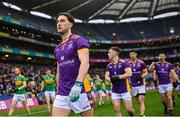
71,24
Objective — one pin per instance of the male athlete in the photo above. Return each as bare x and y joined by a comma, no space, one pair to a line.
139,72
20,85
72,56
99,88
48,84
119,72
163,71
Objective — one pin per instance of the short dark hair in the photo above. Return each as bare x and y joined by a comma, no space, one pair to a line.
132,51
115,48
162,53
68,15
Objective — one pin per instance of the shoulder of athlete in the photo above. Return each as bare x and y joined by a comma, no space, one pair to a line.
74,36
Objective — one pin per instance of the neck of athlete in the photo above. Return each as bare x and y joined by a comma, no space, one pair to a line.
115,59
162,61
134,60
65,36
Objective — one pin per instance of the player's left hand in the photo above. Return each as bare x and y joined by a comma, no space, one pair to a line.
75,91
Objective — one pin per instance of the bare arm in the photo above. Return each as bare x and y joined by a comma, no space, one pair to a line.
127,74
107,75
174,76
42,85
57,74
154,75
151,67
144,73
83,55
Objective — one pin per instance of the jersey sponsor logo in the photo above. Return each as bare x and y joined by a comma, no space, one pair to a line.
163,72
18,82
98,83
67,62
49,81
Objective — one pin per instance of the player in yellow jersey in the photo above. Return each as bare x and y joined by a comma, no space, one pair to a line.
87,87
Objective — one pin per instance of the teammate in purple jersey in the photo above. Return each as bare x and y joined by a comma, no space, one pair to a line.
177,70
72,57
163,71
118,72
139,72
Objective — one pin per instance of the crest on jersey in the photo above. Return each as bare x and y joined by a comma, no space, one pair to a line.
62,58
70,45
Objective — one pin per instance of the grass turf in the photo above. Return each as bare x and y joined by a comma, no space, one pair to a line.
152,103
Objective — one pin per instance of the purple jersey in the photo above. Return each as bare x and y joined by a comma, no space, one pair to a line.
119,86
178,73
66,55
137,68
163,72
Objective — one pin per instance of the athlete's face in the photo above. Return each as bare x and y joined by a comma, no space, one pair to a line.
133,55
17,71
177,67
48,72
97,77
63,24
112,54
162,57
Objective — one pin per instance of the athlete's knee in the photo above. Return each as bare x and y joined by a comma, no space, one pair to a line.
169,97
117,108
130,109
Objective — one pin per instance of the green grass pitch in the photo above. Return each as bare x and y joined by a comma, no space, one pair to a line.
152,103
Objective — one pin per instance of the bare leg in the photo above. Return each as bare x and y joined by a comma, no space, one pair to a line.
116,104
60,112
26,107
11,110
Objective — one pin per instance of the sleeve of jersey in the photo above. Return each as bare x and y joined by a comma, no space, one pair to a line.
81,44
125,65
55,54
107,68
24,78
144,66
170,66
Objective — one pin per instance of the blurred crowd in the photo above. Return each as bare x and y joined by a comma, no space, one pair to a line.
33,74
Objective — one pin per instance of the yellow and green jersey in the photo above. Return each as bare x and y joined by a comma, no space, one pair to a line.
98,84
19,82
87,84
49,82
107,85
